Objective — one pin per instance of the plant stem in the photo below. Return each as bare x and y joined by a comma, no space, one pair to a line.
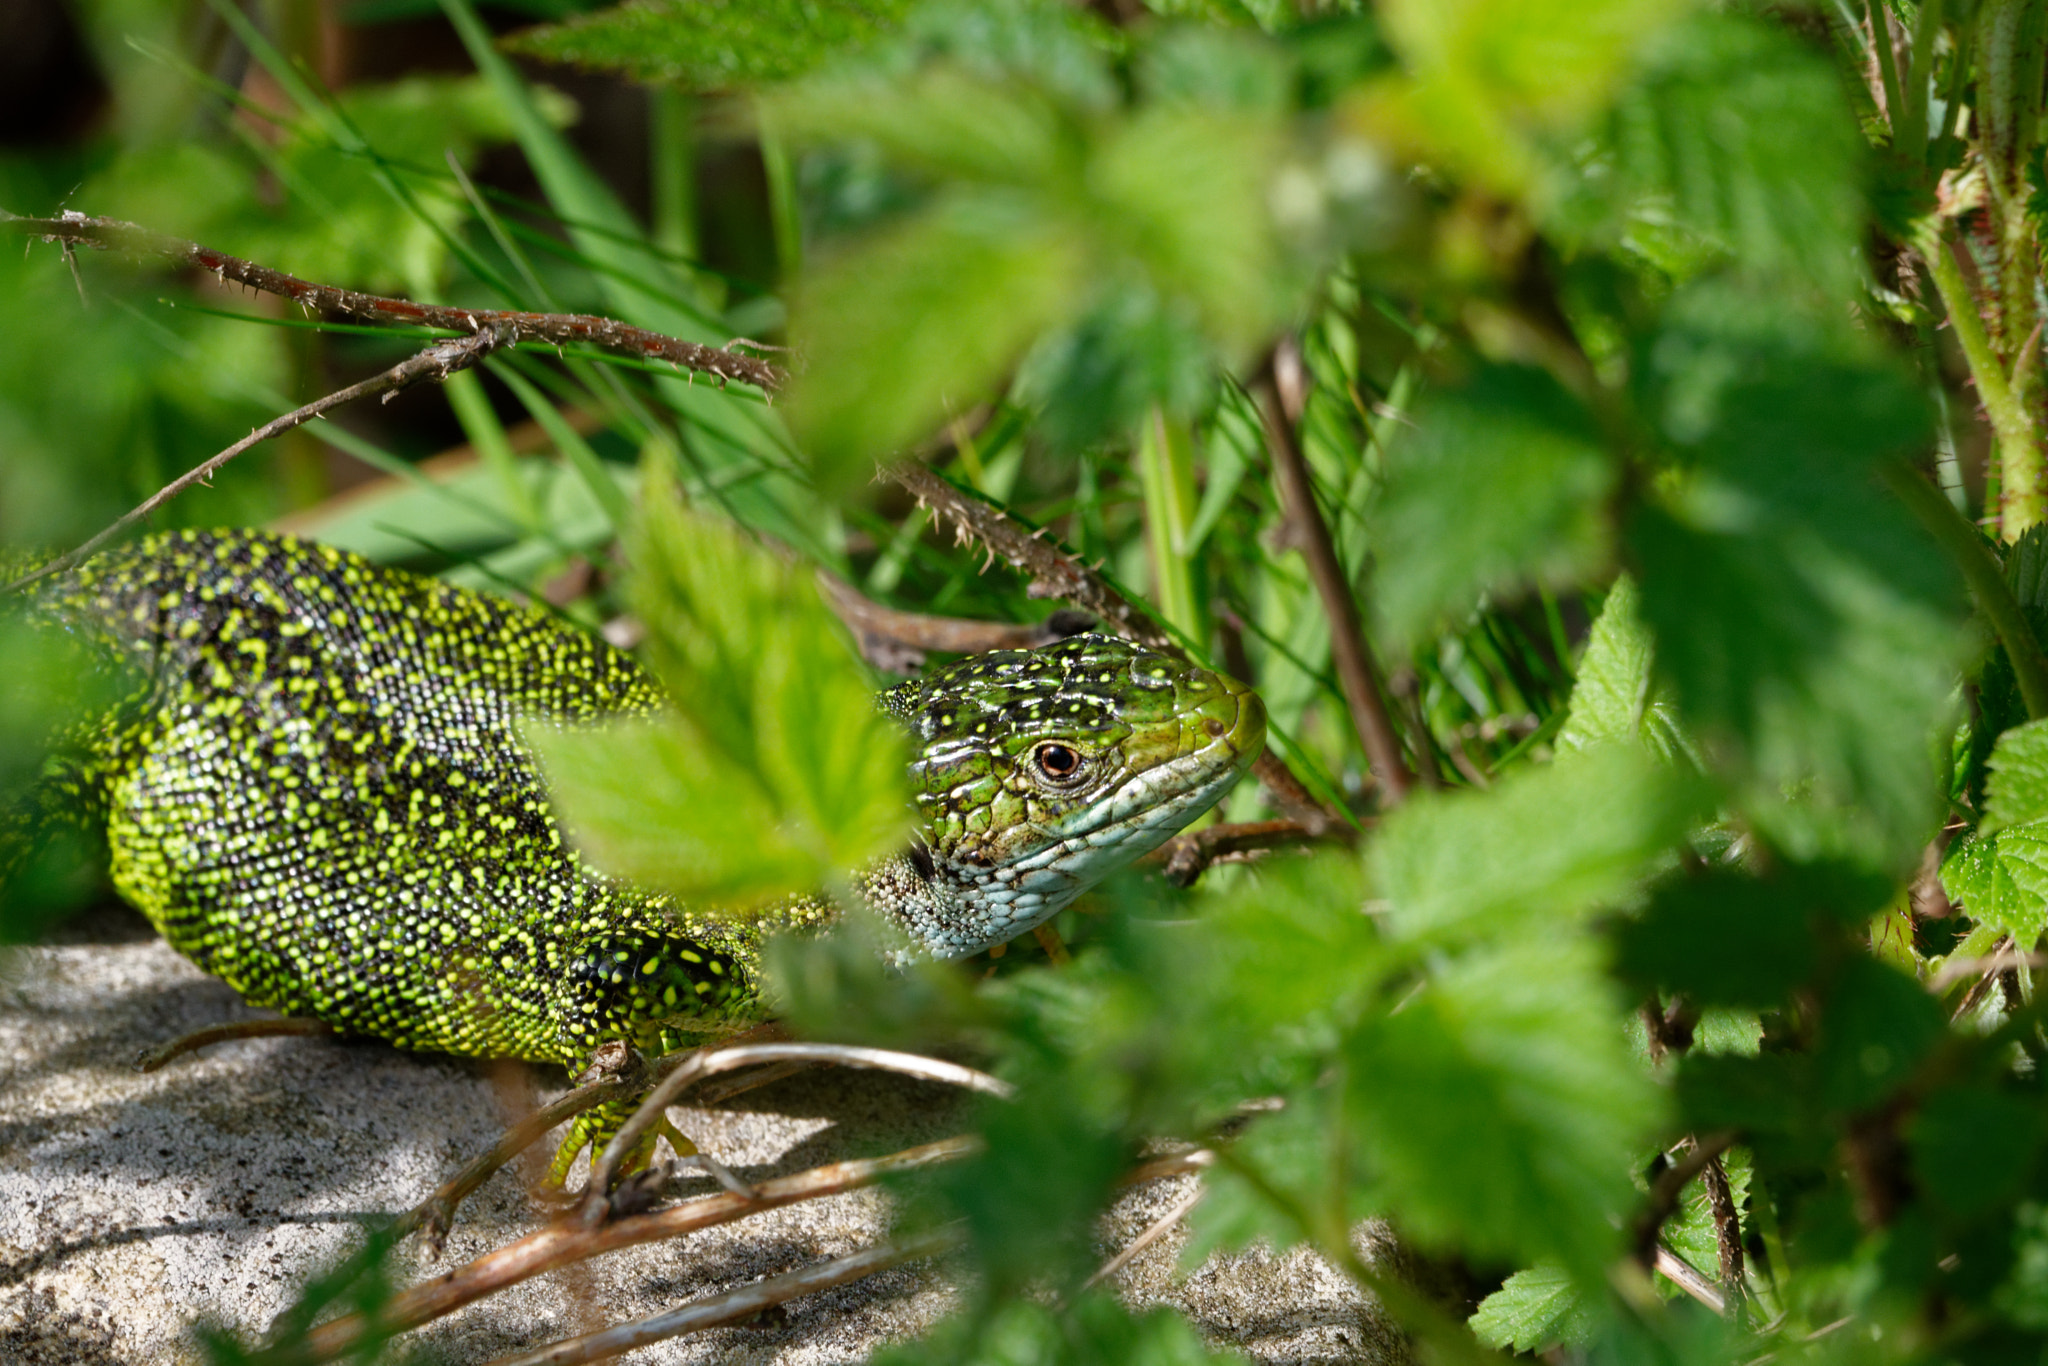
2023,481
1985,578
1166,474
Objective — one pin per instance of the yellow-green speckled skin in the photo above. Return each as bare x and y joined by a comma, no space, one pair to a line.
317,794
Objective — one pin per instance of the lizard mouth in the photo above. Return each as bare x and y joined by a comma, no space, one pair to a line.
1221,736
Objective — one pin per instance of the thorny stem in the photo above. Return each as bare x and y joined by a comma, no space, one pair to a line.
555,329
737,1306
438,361
2023,481
1727,1228
565,1242
895,641
1986,580
1356,670
1186,856
693,1067
1669,1185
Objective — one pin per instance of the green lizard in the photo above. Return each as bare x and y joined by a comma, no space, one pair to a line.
317,792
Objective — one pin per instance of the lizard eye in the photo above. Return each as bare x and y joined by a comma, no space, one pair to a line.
1059,763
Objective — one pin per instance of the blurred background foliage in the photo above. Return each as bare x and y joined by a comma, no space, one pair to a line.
1670,371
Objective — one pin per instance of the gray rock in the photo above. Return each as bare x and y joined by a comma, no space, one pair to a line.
133,1206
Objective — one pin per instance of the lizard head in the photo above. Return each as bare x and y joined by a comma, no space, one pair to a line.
1042,771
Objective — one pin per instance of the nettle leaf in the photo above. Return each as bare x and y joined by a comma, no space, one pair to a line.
1470,864
1499,1108
1691,1231
923,321
713,44
1810,629
1722,938
1616,693
777,770
1500,486
1537,1309
1974,1149
2002,879
1740,138
2018,791
1876,1025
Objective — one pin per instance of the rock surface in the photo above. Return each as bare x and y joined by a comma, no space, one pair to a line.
133,1207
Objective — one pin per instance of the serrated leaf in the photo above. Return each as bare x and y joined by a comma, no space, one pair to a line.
1536,1309
1810,629
1616,694
1501,486
1498,1109
1721,938
1974,1149
1740,139
2002,879
2018,791
922,322
778,770
1481,863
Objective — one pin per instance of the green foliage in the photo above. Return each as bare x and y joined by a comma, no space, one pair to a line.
1534,1310
1502,486
713,46
776,771
1615,318
1452,867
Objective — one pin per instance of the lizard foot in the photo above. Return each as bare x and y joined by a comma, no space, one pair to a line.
594,1128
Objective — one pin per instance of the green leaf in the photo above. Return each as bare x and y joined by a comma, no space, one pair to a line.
1739,139
1722,938
2002,879
1535,1310
1810,629
714,44
1973,1149
1480,863
922,322
2018,790
1876,1025
1490,79
1616,694
1096,1330
1501,486
1498,1109
777,772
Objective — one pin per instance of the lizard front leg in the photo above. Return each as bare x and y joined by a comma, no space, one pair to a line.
655,991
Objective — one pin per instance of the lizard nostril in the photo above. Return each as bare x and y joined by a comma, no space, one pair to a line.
1214,727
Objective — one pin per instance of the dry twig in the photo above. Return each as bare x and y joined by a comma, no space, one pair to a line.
554,329
737,1306
1186,856
569,1241
896,641
438,361
692,1067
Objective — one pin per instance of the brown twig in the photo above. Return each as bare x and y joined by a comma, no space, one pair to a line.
1680,1273
695,1066
1280,403
737,1306
1055,573
1668,1186
895,641
150,1059
1184,858
567,1241
434,1215
1156,1230
1727,1226
438,361
554,329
